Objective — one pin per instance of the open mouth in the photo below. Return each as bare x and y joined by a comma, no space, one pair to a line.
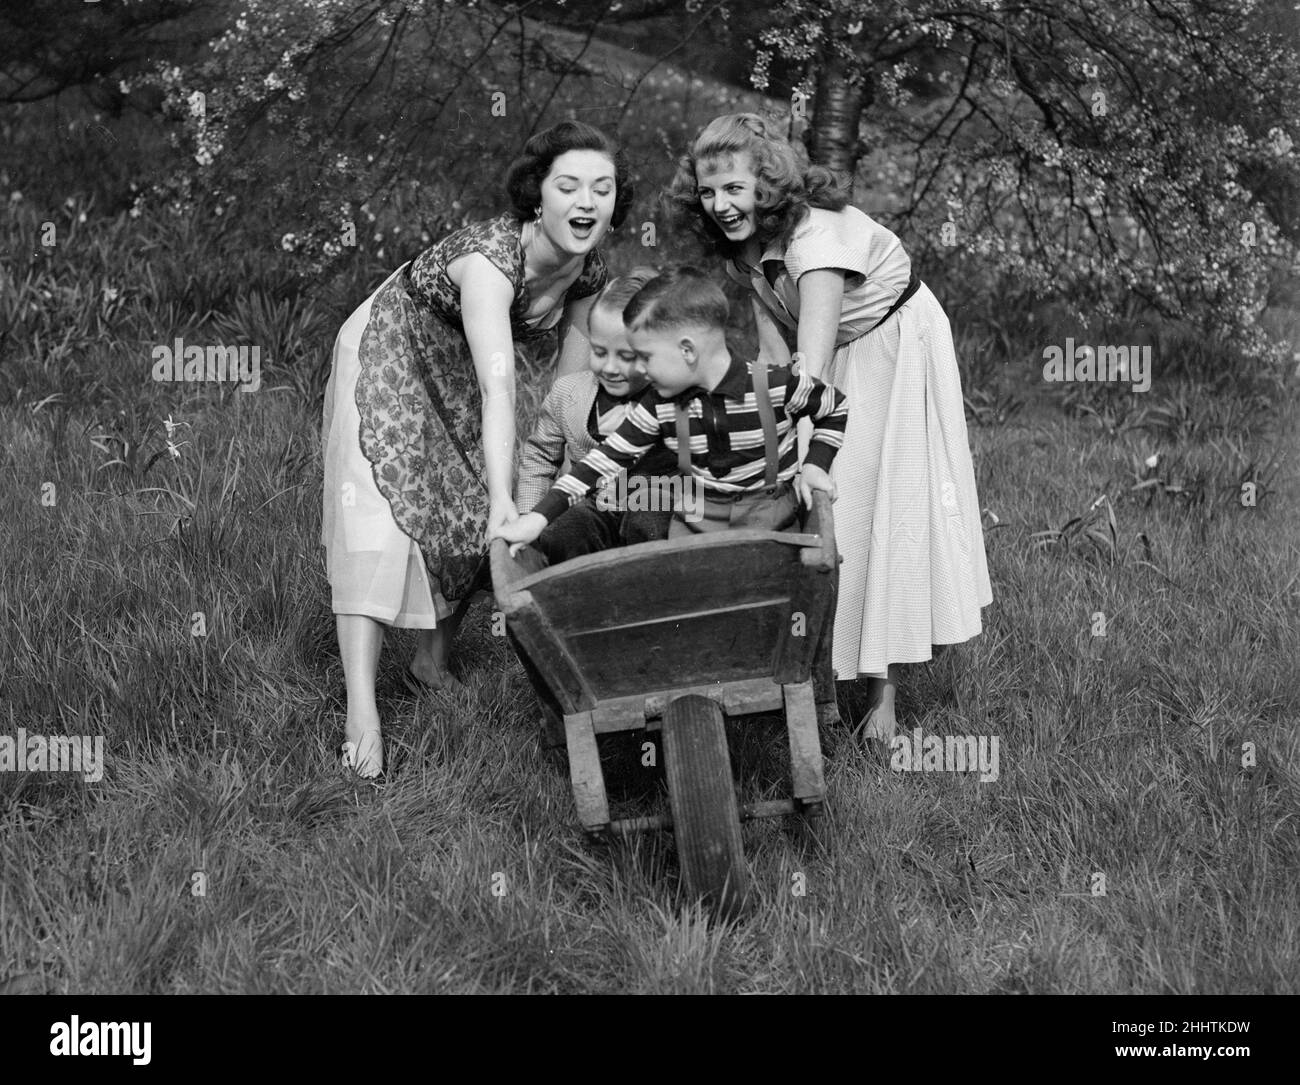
582,227
731,221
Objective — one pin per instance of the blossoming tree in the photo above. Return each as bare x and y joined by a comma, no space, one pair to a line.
1108,151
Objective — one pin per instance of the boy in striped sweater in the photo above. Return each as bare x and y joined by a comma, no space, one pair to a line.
730,425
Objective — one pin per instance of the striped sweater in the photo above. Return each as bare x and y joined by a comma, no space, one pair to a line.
727,450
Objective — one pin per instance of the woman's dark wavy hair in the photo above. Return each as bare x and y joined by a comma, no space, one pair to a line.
527,172
788,184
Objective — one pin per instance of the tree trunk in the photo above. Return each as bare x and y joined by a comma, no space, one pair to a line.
842,95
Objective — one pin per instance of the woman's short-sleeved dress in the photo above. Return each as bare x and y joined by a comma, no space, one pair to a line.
405,496
907,515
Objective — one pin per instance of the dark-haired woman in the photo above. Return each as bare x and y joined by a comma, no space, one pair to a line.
419,427
907,519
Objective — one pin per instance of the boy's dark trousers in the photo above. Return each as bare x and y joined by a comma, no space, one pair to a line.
585,528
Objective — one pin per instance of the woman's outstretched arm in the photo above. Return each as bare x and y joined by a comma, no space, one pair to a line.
486,296
821,298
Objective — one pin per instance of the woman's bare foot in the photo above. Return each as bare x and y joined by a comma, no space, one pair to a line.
364,748
429,664
880,723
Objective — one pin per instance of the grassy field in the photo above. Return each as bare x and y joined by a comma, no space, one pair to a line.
224,851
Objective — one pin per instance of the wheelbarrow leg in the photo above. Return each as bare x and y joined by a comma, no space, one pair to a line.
828,710
805,750
584,770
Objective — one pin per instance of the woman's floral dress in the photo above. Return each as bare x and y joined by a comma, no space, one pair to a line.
403,430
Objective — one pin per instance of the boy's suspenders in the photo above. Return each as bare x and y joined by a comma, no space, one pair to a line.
683,440
766,416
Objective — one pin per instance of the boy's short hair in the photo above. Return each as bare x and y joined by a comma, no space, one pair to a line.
679,297
616,293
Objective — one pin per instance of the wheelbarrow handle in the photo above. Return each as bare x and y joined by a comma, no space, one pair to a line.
507,571
821,522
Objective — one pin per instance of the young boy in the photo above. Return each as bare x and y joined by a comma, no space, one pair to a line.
730,425
581,410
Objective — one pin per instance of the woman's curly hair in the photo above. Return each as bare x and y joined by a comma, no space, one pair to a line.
788,184
527,172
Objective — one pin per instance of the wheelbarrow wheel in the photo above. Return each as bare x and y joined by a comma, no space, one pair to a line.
706,820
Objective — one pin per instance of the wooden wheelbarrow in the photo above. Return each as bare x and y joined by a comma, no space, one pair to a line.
674,636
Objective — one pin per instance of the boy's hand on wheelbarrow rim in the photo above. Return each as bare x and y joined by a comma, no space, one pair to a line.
521,530
811,479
